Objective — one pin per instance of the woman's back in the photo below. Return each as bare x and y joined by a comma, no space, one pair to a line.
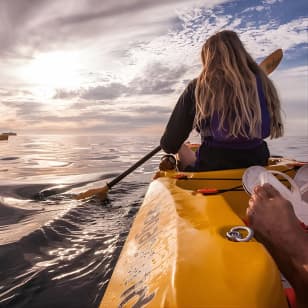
233,105
227,89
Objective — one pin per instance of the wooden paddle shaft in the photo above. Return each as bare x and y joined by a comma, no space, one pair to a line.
133,167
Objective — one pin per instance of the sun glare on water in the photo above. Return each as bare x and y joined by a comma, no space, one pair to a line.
54,70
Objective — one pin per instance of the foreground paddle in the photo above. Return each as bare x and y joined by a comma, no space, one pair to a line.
268,65
102,192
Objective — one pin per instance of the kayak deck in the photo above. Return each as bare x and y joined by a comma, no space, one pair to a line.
177,253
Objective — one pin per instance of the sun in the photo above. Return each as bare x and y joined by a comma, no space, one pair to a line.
53,70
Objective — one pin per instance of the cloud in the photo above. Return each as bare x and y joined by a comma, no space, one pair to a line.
271,1
105,92
157,79
24,109
150,109
260,35
15,92
124,121
30,26
292,84
20,115
258,8
16,18
66,94
134,57
292,88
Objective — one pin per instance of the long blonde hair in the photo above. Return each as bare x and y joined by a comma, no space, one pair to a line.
227,86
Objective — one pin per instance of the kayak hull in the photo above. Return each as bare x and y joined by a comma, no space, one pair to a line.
177,253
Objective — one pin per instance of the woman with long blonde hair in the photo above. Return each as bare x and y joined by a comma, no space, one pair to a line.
234,106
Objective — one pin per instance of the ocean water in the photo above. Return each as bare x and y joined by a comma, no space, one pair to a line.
56,251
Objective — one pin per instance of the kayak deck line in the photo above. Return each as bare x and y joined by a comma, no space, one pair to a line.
177,253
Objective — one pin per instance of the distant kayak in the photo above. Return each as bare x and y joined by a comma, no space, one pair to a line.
189,246
10,134
4,137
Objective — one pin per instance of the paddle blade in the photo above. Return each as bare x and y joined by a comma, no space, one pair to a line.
270,63
100,193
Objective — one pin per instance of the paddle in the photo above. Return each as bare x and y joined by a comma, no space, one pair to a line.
102,192
268,65
272,61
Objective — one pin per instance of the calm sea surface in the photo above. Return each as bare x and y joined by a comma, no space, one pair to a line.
59,252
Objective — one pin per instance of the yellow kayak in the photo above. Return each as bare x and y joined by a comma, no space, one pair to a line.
178,254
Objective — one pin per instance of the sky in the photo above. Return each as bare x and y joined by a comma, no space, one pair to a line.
91,67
